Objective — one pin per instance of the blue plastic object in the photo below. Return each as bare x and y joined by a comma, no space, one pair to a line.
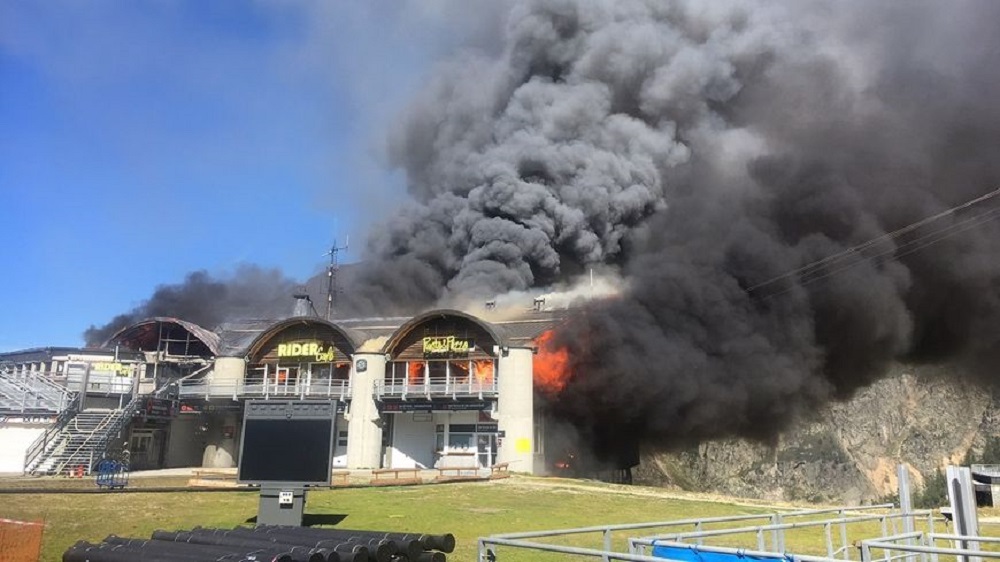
681,554
111,474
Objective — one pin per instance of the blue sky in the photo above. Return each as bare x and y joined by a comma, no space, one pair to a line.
140,141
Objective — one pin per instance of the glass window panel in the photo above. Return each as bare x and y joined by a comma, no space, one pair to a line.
461,441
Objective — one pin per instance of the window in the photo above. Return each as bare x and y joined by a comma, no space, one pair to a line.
462,438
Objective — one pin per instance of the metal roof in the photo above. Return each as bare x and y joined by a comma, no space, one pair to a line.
145,332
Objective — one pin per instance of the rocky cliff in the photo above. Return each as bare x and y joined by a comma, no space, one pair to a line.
847,454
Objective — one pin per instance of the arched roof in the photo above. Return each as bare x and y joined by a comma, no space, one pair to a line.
352,336
494,331
145,334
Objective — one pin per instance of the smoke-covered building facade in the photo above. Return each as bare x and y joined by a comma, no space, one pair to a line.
441,389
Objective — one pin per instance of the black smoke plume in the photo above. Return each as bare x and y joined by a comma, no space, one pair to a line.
251,292
706,148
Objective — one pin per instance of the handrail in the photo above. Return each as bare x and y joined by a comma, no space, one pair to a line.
436,387
53,386
39,446
44,393
235,389
100,436
159,392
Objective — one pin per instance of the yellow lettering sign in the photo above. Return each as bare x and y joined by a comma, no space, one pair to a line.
437,345
312,350
120,369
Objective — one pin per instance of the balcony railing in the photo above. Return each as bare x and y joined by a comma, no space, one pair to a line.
434,387
236,389
32,392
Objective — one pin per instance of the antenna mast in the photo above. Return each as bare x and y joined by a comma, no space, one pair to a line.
331,276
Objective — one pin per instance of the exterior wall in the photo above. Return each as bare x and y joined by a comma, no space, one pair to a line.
229,369
185,445
105,402
412,441
364,423
515,410
15,438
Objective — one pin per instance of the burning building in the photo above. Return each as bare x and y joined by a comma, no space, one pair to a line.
440,389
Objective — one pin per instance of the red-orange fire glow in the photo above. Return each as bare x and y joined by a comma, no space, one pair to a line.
460,372
416,372
484,371
551,365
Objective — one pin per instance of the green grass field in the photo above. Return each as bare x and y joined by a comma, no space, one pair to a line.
468,510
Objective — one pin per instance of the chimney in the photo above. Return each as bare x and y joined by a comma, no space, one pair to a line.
303,305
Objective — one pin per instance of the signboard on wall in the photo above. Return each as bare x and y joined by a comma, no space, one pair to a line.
118,368
200,406
311,351
159,409
441,346
436,406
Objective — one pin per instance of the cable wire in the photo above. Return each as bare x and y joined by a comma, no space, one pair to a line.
819,269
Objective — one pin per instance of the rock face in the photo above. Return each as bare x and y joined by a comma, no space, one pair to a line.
849,453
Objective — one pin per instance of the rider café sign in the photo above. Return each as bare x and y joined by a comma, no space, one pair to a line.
310,350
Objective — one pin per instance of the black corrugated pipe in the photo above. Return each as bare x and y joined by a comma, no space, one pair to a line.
222,538
202,551
444,542
390,547
348,551
84,551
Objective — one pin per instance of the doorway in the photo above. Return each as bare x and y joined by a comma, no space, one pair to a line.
486,446
284,380
145,448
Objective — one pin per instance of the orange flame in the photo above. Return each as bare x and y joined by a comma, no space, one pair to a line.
484,371
416,372
550,364
460,372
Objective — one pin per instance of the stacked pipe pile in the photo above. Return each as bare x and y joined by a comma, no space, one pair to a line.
267,543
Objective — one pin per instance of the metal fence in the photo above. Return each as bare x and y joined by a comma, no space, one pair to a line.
236,389
758,536
440,387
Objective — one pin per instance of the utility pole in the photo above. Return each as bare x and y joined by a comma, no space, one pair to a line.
331,276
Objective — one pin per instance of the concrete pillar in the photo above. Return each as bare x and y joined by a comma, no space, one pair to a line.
221,450
229,369
515,410
364,426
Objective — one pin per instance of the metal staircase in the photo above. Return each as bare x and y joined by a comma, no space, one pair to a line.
78,440
31,394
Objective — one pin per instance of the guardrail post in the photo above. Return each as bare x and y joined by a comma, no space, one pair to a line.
888,553
829,540
777,535
607,545
485,553
843,538
866,553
